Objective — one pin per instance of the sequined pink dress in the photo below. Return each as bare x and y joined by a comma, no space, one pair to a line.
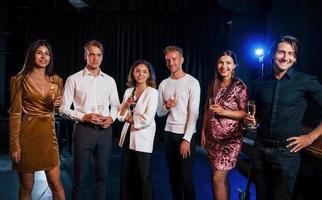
224,136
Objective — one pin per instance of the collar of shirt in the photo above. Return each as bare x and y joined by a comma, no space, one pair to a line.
86,72
289,74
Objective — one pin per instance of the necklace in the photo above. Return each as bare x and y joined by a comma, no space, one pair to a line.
138,92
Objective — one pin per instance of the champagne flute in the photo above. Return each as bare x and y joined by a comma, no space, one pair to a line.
53,99
174,99
251,110
212,103
100,108
53,92
174,96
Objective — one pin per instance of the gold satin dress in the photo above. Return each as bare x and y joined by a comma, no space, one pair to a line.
32,124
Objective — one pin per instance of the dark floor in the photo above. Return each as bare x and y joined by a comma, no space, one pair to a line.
9,179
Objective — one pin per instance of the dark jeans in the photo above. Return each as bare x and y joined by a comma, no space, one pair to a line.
90,143
180,170
275,170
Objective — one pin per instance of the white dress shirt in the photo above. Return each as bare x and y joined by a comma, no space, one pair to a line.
141,139
181,119
89,94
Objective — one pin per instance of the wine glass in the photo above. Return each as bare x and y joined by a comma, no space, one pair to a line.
212,103
251,110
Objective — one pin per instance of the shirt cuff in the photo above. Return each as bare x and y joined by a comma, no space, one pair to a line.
187,137
79,116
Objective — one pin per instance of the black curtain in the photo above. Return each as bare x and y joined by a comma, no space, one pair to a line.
131,35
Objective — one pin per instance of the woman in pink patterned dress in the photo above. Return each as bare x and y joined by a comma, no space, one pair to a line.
221,133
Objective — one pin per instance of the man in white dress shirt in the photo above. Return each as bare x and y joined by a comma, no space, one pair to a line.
179,98
95,99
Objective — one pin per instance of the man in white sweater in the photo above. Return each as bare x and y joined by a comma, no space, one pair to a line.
179,98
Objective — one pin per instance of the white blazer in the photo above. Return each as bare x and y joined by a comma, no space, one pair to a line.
142,139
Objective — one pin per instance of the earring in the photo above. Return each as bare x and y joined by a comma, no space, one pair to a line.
233,74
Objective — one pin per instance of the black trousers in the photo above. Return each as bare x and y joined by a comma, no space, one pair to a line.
180,170
90,143
275,170
135,178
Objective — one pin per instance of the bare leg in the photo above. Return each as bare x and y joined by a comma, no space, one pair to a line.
54,182
220,184
25,186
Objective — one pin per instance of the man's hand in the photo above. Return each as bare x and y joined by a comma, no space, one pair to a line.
170,103
106,121
93,118
184,149
16,156
249,119
300,142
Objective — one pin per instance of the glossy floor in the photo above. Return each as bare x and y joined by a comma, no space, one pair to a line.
9,179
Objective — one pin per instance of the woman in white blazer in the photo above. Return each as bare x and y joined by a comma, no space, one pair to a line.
138,110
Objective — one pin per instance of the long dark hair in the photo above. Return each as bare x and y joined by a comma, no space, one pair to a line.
217,78
150,81
30,63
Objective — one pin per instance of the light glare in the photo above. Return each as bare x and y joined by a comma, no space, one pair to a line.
259,52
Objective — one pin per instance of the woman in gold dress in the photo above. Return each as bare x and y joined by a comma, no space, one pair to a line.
35,95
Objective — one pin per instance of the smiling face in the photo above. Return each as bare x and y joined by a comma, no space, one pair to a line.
42,57
93,56
141,73
284,57
225,66
174,61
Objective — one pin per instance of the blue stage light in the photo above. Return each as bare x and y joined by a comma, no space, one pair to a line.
259,52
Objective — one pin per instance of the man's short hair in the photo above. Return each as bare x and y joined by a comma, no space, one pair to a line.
94,43
173,48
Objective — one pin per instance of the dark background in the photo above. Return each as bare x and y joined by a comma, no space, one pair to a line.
135,29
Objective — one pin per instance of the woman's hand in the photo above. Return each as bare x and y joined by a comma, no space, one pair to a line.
218,110
16,156
129,102
129,118
57,101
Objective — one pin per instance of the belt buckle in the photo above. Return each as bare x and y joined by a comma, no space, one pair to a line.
276,143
